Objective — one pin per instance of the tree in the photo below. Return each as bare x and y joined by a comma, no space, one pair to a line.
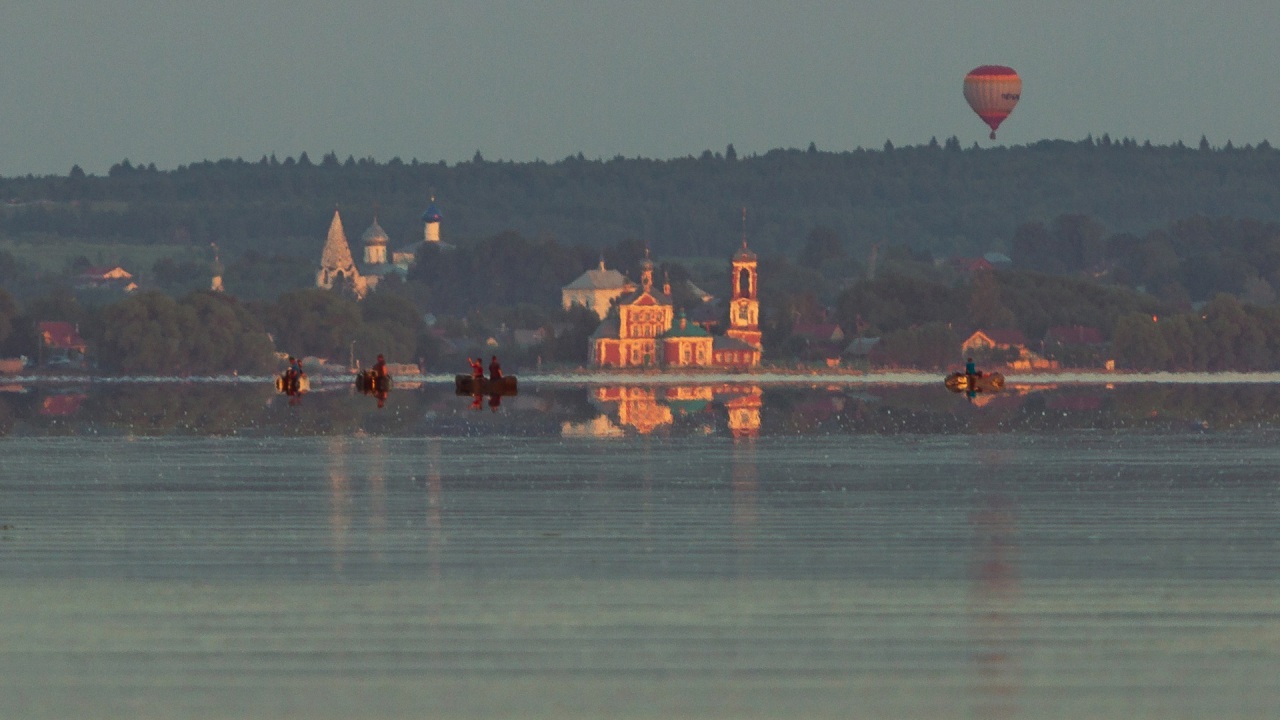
8,315
823,248
984,308
314,322
1139,343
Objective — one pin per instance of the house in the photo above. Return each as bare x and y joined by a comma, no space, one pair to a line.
863,351
60,343
823,342
106,277
1007,346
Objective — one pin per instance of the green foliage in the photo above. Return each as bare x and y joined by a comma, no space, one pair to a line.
1225,335
932,345
8,315
949,202
505,269
314,322
893,302
391,326
203,333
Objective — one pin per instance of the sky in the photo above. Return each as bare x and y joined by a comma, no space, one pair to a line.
170,83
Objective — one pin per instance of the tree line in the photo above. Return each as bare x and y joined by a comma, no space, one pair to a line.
936,197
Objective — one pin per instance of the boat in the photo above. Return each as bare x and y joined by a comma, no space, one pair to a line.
290,384
469,385
985,382
369,381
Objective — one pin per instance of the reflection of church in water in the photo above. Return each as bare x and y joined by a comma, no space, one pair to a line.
645,409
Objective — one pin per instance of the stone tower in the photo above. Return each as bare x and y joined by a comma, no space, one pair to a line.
744,304
375,244
432,218
337,268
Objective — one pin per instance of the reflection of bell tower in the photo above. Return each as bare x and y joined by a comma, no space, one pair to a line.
744,412
744,305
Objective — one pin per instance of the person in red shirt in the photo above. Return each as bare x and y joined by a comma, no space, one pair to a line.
495,370
477,370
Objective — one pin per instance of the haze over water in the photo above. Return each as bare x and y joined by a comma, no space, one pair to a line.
725,550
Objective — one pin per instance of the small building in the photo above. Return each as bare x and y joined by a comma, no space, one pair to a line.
1007,346
686,345
60,343
106,277
596,290
730,352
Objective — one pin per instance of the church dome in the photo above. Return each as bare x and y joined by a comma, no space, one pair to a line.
375,235
432,215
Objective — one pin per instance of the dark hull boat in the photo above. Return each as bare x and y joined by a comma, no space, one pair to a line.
370,382
988,382
468,385
292,384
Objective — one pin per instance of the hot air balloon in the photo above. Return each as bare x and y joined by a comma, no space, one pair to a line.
992,91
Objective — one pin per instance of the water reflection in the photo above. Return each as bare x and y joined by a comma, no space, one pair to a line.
339,500
645,409
994,594
435,506
734,409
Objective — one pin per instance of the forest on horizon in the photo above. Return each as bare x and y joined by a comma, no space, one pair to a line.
937,198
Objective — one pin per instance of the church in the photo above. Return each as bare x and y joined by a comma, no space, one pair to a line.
648,333
338,268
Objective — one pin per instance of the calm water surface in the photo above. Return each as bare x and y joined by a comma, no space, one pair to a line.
648,552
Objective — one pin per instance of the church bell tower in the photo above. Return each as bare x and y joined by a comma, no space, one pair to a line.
744,304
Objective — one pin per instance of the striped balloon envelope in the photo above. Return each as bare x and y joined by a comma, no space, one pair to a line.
992,91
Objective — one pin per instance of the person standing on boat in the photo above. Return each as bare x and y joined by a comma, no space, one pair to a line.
477,370
495,370
380,367
969,368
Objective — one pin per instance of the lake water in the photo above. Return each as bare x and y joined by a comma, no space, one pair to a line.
723,550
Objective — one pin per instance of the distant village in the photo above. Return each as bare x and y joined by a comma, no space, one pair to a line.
640,326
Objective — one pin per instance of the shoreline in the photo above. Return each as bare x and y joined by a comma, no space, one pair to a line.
769,377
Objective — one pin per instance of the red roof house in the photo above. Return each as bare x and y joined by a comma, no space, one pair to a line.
59,335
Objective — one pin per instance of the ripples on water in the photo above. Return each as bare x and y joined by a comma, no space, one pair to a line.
838,551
